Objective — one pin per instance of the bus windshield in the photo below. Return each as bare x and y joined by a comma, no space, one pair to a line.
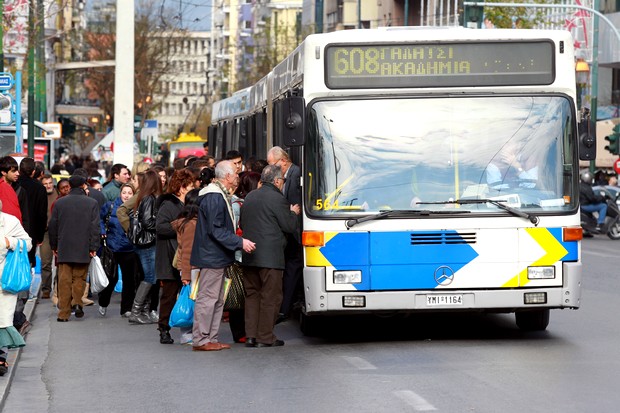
372,155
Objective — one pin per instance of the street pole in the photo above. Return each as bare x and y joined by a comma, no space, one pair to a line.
2,36
41,71
124,83
31,85
594,74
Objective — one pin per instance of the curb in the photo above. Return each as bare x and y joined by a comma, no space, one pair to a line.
14,355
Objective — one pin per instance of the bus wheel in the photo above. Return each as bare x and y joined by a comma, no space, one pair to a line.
308,325
535,320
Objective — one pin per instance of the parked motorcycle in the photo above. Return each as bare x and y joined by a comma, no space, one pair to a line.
611,227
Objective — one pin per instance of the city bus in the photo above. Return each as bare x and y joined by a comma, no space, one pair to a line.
440,168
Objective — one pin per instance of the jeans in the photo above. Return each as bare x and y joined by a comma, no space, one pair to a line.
147,259
601,208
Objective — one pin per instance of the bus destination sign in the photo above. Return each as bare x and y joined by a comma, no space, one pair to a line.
439,64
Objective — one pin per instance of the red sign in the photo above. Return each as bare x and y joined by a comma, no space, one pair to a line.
40,151
617,166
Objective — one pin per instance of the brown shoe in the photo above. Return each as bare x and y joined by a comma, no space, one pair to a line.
224,346
208,347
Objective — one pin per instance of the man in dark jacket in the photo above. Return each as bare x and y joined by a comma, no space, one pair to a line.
591,202
215,243
293,254
74,238
266,218
36,206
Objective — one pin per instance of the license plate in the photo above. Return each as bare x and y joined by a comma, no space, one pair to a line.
444,299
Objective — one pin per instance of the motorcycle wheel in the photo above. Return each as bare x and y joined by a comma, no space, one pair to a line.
614,230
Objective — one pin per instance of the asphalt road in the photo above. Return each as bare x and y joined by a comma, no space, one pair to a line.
444,363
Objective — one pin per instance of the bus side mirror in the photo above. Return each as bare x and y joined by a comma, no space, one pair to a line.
292,120
587,140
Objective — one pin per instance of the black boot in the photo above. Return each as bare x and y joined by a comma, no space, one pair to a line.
136,316
164,337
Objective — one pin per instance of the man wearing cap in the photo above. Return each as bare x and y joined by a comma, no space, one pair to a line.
74,239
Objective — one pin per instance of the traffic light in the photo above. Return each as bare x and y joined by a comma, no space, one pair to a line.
614,141
470,16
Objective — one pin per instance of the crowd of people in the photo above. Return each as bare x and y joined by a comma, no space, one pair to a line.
197,223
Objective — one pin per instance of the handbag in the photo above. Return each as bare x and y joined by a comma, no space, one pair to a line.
98,278
182,314
235,296
107,260
107,256
16,275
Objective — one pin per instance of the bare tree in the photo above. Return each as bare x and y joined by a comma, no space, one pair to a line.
154,46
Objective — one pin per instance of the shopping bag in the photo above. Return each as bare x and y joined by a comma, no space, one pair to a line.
16,275
235,295
195,279
98,278
118,288
182,314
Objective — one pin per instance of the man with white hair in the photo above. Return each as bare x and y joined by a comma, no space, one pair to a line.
215,243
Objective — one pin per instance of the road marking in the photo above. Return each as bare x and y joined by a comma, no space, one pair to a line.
360,363
596,254
414,400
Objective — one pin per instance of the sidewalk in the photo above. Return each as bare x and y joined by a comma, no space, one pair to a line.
14,355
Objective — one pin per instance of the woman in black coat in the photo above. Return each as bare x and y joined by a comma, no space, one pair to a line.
170,206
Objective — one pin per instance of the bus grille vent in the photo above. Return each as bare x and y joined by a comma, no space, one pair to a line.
443,237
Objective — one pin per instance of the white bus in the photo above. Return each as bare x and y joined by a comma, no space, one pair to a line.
440,168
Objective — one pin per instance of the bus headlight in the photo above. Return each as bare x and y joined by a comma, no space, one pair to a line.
347,277
540,273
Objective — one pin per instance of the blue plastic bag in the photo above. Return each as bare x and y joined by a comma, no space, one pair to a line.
118,288
16,275
183,312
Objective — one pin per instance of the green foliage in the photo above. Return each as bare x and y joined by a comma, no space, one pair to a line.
517,17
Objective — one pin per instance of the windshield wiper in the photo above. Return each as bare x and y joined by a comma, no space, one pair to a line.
398,212
497,202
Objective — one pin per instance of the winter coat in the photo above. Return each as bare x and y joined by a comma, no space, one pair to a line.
215,241
116,238
112,190
266,217
168,209
185,240
147,215
10,204
13,231
37,207
74,227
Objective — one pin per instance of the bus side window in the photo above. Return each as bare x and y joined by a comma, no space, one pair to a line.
260,150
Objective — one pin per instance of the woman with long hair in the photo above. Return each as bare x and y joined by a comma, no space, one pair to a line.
185,227
169,206
145,303
124,254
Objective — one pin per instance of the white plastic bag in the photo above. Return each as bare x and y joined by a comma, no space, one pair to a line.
98,278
